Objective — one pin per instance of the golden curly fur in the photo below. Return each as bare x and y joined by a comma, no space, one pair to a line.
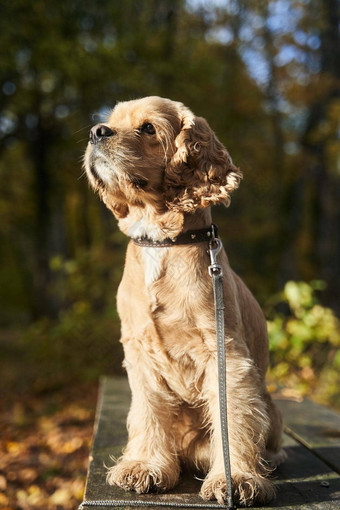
159,168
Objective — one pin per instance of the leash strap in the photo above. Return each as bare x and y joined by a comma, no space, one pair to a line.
140,503
216,273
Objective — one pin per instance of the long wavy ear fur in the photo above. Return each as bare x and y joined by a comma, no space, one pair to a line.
201,172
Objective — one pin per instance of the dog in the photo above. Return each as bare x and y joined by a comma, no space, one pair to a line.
159,169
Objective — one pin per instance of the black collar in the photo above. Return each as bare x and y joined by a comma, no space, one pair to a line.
189,237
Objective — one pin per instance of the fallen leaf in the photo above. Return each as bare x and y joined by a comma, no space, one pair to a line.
3,483
3,499
60,496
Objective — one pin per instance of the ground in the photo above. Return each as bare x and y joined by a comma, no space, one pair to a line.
44,448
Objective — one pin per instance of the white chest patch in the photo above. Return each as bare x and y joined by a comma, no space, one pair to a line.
153,263
152,257
143,228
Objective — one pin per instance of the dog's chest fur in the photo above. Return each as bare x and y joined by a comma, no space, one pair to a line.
164,295
153,262
152,258
176,298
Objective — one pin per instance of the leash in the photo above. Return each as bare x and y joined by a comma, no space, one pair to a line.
216,273
141,503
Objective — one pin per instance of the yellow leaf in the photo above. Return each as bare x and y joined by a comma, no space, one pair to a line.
72,446
14,447
60,496
3,499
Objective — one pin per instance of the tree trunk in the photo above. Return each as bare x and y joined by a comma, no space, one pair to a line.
325,234
49,236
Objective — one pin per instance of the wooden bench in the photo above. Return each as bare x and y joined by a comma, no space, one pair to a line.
309,479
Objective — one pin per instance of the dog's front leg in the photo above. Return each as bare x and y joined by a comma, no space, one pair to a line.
150,460
247,424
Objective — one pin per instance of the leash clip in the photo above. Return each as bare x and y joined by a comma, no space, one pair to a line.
215,268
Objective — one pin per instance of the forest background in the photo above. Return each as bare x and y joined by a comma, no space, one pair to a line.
265,74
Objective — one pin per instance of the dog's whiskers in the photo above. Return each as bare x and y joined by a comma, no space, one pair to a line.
81,129
82,140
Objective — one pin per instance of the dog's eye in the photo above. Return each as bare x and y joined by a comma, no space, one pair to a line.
148,128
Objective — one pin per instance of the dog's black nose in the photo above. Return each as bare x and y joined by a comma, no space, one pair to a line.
100,131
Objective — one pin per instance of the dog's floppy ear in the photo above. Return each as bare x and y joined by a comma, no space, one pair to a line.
201,172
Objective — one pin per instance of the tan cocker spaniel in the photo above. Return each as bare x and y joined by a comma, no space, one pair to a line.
159,168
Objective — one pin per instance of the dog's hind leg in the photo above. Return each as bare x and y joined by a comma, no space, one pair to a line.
275,455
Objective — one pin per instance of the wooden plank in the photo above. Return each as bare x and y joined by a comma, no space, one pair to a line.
298,480
316,427
110,437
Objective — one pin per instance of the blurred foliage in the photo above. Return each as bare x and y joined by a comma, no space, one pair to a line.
82,343
304,339
264,74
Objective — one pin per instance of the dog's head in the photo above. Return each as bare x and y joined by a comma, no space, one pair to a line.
156,152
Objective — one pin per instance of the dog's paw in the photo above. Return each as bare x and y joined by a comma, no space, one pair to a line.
140,477
275,458
214,487
246,491
250,489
